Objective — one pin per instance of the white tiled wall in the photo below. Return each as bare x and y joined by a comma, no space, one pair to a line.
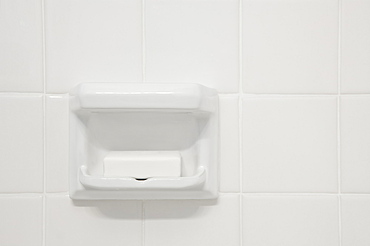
290,220
92,223
92,40
21,46
294,83
290,46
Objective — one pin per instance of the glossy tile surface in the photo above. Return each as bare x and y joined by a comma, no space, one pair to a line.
193,41
355,220
290,46
290,220
21,50
290,144
21,221
57,131
301,160
92,223
184,223
229,144
355,144
92,41
21,143
355,49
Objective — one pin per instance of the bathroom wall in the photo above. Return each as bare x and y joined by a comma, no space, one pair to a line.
294,84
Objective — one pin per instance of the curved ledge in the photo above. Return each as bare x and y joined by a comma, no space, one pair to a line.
136,96
125,183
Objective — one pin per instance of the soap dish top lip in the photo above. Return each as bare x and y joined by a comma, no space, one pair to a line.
143,96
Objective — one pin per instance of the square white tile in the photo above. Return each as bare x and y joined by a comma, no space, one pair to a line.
21,49
57,138
290,46
290,220
196,222
21,143
92,41
355,220
355,144
229,144
92,223
290,144
193,41
21,221
355,48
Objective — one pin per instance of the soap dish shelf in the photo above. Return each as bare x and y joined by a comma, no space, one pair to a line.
127,183
108,117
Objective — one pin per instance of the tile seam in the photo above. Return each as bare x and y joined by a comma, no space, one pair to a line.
14,93
240,121
339,123
44,122
143,222
143,40
143,8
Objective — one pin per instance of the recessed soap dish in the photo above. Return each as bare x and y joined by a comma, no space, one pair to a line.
143,141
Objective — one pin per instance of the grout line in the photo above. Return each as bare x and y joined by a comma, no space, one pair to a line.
338,105
59,193
338,119
240,121
293,95
283,194
339,46
143,41
10,195
144,80
65,193
298,194
44,174
143,223
13,93
34,193
298,94
43,46
354,194
57,94
21,93
44,123
340,219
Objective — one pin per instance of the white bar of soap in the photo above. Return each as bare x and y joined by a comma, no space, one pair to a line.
142,164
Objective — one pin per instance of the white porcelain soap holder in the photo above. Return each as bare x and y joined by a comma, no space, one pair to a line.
143,141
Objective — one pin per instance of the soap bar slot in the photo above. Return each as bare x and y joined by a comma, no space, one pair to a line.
127,183
142,165
144,132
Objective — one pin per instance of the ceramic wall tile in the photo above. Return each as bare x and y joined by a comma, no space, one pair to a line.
57,137
92,41
21,49
290,46
290,144
229,144
355,144
196,222
355,220
92,223
193,41
290,220
355,49
21,221
21,143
